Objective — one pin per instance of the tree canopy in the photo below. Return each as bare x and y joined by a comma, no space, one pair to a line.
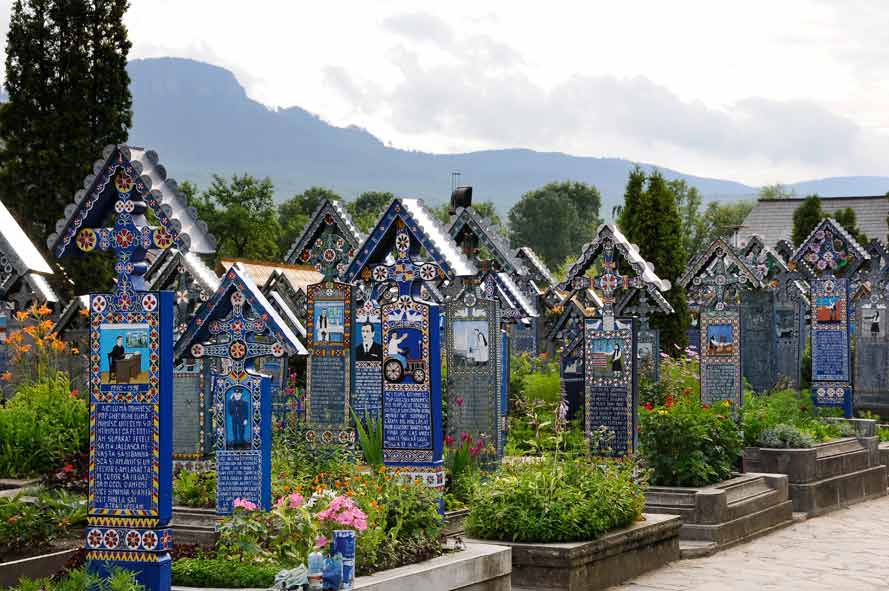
241,214
776,191
556,220
805,218
651,219
368,207
68,98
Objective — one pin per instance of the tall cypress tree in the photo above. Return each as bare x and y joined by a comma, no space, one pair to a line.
68,98
805,218
652,221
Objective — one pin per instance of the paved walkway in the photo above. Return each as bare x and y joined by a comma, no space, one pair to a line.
846,549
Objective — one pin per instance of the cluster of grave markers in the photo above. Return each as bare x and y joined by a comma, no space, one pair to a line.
189,366
388,308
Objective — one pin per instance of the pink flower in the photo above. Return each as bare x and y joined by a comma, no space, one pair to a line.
449,441
296,500
459,400
320,542
343,510
244,504
464,437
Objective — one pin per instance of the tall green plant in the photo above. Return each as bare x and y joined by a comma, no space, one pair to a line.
370,438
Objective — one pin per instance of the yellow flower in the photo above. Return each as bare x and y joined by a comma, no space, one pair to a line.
75,351
662,412
726,403
25,348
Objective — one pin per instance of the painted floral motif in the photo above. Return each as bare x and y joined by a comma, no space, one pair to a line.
86,239
124,238
94,538
134,539
112,539
149,540
162,238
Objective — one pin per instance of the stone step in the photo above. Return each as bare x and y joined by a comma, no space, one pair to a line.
742,528
200,536
755,504
187,516
740,489
689,549
840,446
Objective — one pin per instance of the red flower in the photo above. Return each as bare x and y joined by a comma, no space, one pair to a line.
706,406
75,393
68,468
648,406
464,437
459,400
449,441
669,401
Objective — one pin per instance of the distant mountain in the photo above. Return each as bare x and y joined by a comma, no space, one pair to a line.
200,120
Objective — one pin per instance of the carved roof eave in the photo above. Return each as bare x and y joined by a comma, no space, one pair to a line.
425,228
171,208
861,254
527,253
643,269
703,261
236,278
488,236
347,228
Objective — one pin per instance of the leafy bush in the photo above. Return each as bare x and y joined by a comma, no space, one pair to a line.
80,580
556,501
783,436
47,420
218,572
386,510
195,488
687,443
34,524
788,407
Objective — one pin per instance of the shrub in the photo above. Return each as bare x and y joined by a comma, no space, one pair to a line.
79,580
218,572
195,488
687,443
550,501
34,524
386,510
783,436
787,407
49,421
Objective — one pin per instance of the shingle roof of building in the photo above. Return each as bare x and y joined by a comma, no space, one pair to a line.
773,218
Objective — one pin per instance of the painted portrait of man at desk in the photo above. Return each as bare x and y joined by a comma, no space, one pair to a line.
124,353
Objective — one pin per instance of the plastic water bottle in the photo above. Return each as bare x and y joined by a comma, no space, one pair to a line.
344,544
316,571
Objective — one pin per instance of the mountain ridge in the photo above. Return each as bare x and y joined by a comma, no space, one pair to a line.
201,121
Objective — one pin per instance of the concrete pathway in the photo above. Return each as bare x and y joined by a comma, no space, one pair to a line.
846,549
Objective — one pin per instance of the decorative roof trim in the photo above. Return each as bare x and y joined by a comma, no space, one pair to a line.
162,195
348,230
861,254
468,220
702,263
236,278
527,254
425,228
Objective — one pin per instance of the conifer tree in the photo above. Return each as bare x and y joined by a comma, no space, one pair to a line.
806,217
68,98
651,221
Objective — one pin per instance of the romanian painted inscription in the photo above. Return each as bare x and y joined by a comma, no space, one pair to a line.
123,456
239,476
328,383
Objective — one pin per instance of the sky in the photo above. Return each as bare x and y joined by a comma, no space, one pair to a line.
753,91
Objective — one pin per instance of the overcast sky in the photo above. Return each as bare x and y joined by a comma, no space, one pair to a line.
755,91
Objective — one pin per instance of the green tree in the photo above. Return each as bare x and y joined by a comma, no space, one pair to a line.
556,220
293,214
627,215
68,98
776,191
368,207
721,220
846,218
651,219
806,218
694,227
241,214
